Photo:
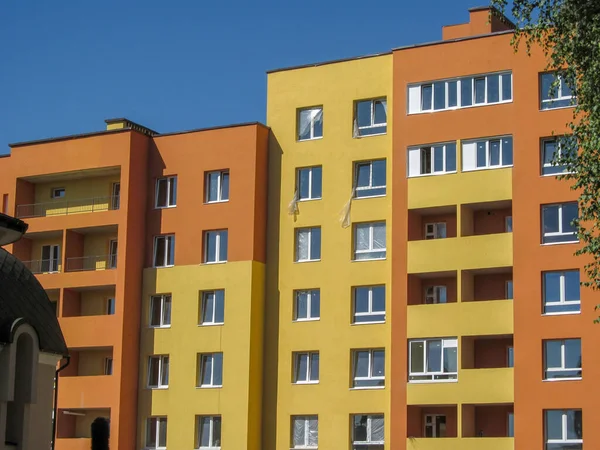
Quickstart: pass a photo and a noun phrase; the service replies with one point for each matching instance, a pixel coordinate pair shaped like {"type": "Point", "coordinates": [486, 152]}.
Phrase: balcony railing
{"type": "Point", "coordinates": [43, 266]}
{"type": "Point", "coordinates": [88, 263]}
{"type": "Point", "coordinates": [65, 207]}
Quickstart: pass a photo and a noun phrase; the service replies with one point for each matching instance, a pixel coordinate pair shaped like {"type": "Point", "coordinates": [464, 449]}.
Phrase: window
{"type": "Point", "coordinates": [308, 244]}
{"type": "Point", "coordinates": [508, 294]}
{"type": "Point", "coordinates": [557, 223]}
{"type": "Point", "coordinates": [217, 186]}
{"type": "Point", "coordinates": [369, 368]}
{"type": "Point", "coordinates": [58, 193]}
{"type": "Point", "coordinates": [563, 429]}
{"type": "Point", "coordinates": [158, 372]}
{"type": "Point", "coordinates": [464, 92]}
{"type": "Point", "coordinates": [108, 366]}
{"type": "Point", "coordinates": [369, 304]}
{"type": "Point", "coordinates": [309, 183]}
{"type": "Point", "coordinates": [164, 251]}
{"type": "Point", "coordinates": [556, 92]}
{"type": "Point", "coordinates": [511, 425]}
{"type": "Point", "coordinates": [371, 117]}
{"type": "Point", "coordinates": [435, 294]}
{"type": "Point", "coordinates": [112, 253]}
{"type": "Point", "coordinates": [370, 178]}
{"type": "Point", "coordinates": [436, 159]}
{"type": "Point", "coordinates": [306, 367]}
{"type": "Point", "coordinates": [305, 432]}
{"type": "Point", "coordinates": [561, 292]}
{"type": "Point", "coordinates": [435, 426]}
{"type": "Point", "coordinates": [487, 153]}
{"type": "Point", "coordinates": [110, 306]}
{"type": "Point", "coordinates": [432, 360]}
{"type": "Point", "coordinates": [435, 230]}
{"type": "Point", "coordinates": [553, 151]}
{"type": "Point", "coordinates": [160, 311]}
{"type": "Point", "coordinates": [211, 370]}
{"type": "Point", "coordinates": [510, 356]}
{"type": "Point", "coordinates": [307, 305]}
{"type": "Point", "coordinates": [50, 258]}
{"type": "Point", "coordinates": [166, 192]}
{"type": "Point", "coordinates": [115, 201]}
{"type": "Point", "coordinates": [156, 433]}
{"type": "Point", "coordinates": [508, 227]}
{"type": "Point", "coordinates": [562, 359]}
{"type": "Point", "coordinates": [208, 432]}
{"type": "Point", "coordinates": [367, 432]}
{"type": "Point", "coordinates": [212, 309]}
{"type": "Point", "coordinates": [215, 244]}
{"type": "Point", "coordinates": [310, 123]}
{"type": "Point", "coordinates": [369, 241]}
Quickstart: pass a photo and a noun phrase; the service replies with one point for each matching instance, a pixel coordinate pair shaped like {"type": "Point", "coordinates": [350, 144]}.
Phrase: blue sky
{"type": "Point", "coordinates": [65, 66]}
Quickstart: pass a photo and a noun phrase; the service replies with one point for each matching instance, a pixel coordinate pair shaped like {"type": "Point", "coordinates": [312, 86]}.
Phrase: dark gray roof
{"type": "Point", "coordinates": [23, 299]}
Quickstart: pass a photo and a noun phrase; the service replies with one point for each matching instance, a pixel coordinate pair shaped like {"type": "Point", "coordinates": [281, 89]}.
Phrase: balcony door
{"type": "Point", "coordinates": [112, 254]}
{"type": "Point", "coordinates": [435, 426]}
{"type": "Point", "coordinates": [50, 258]}
{"type": "Point", "coordinates": [115, 201]}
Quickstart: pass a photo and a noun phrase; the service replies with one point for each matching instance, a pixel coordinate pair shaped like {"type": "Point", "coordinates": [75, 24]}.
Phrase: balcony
{"type": "Point", "coordinates": [73, 443]}
{"type": "Point", "coordinates": [86, 391]}
{"type": "Point", "coordinates": [503, 443]}
{"type": "Point", "coordinates": [73, 427]}
{"type": "Point", "coordinates": [67, 207]}
{"type": "Point", "coordinates": [88, 263]}
{"type": "Point", "coordinates": [89, 331]}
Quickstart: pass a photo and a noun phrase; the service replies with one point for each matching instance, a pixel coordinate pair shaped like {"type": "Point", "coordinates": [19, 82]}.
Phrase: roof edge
{"type": "Point", "coordinates": [449, 41]}
{"type": "Point", "coordinates": [68, 137]}
{"type": "Point", "coordinates": [332, 61]}
{"type": "Point", "coordinates": [218, 127]}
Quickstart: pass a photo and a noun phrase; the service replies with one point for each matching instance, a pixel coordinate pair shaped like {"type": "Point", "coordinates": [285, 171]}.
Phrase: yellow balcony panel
{"type": "Point", "coordinates": [460, 188]}
{"type": "Point", "coordinates": [469, 252]}
{"type": "Point", "coordinates": [461, 319]}
{"type": "Point", "coordinates": [473, 386]}
{"type": "Point", "coordinates": [503, 443]}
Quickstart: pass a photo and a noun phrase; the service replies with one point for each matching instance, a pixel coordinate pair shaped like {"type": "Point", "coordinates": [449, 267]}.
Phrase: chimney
{"type": "Point", "coordinates": [123, 123]}
{"type": "Point", "coordinates": [482, 20]}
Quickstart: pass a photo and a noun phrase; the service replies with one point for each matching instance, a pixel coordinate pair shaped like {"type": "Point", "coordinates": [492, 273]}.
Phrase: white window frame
{"type": "Point", "coordinates": [205, 298]}
{"type": "Point", "coordinates": [211, 431]}
{"type": "Point", "coordinates": [487, 141]}
{"type": "Point", "coordinates": [370, 312]}
{"type": "Point", "coordinates": [169, 243]}
{"type": "Point", "coordinates": [221, 174]}
{"type": "Point", "coordinates": [433, 424]}
{"type": "Point", "coordinates": [382, 100]}
{"type": "Point", "coordinates": [417, 96]}
{"type": "Point", "coordinates": [433, 294]}
{"type": "Point", "coordinates": [370, 187]}
{"type": "Point", "coordinates": [558, 91]}
{"type": "Point", "coordinates": [296, 363]}
{"type": "Point", "coordinates": [158, 420]}
{"type": "Point", "coordinates": [315, 110]}
{"type": "Point", "coordinates": [369, 440]}
{"type": "Point", "coordinates": [59, 192]}
{"type": "Point", "coordinates": [421, 149]}
{"type": "Point", "coordinates": [310, 237]}
{"type": "Point", "coordinates": [219, 234]}
{"type": "Point", "coordinates": [559, 153]}
{"type": "Point", "coordinates": [370, 376]}
{"type": "Point", "coordinates": [161, 365]}
{"type": "Point", "coordinates": [171, 186]}
{"type": "Point", "coordinates": [307, 419]}
{"type": "Point", "coordinates": [309, 295]}
{"type": "Point", "coordinates": [436, 230]}
{"type": "Point", "coordinates": [563, 359]}
{"type": "Point", "coordinates": [202, 357]}
{"type": "Point", "coordinates": [53, 263]}
{"type": "Point", "coordinates": [163, 299]}
{"type": "Point", "coordinates": [560, 226]}
{"type": "Point", "coordinates": [564, 430]}
{"type": "Point", "coordinates": [108, 365]}
{"type": "Point", "coordinates": [446, 343]}
{"type": "Point", "coordinates": [562, 294]}
{"type": "Point", "coordinates": [310, 183]}
{"type": "Point", "coordinates": [110, 306]}
{"type": "Point", "coordinates": [371, 249]}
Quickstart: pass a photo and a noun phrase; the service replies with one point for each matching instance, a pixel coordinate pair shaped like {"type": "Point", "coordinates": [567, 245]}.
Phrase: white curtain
{"type": "Point", "coordinates": [313, 432]}
{"type": "Point", "coordinates": [379, 236]}
{"type": "Point", "coordinates": [302, 244]}
{"type": "Point", "coordinates": [355, 131]}
{"type": "Point", "coordinates": [299, 433]}
{"type": "Point", "coordinates": [293, 205]}
{"type": "Point", "coordinates": [307, 118]}
{"type": "Point", "coordinates": [362, 237]}
{"type": "Point", "coordinates": [377, 429]}
{"type": "Point", "coordinates": [345, 219]}
{"type": "Point", "coordinates": [384, 103]}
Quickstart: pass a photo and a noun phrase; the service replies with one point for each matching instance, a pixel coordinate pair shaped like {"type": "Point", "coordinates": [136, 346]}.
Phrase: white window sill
{"type": "Point", "coordinates": [480, 169]}
{"type": "Point", "coordinates": [302, 261]}
{"type": "Point", "coordinates": [559, 243]}
{"type": "Point", "coordinates": [214, 262]}
{"type": "Point", "coordinates": [369, 196]}
{"type": "Point", "coordinates": [375, 322]}
{"type": "Point", "coordinates": [316, 319]}
{"type": "Point", "coordinates": [454, 380]}
{"type": "Point", "coordinates": [558, 107]}
{"type": "Point", "coordinates": [455, 108]}
{"type": "Point", "coordinates": [158, 327]}
{"type": "Point", "coordinates": [554, 175]}
{"type": "Point", "coordinates": [211, 324]}
{"type": "Point", "coordinates": [305, 383]}
{"type": "Point", "coordinates": [163, 267]}
{"type": "Point", "coordinates": [209, 387]}
{"type": "Point", "coordinates": [309, 139]}
{"type": "Point", "coordinates": [370, 135]}
{"type": "Point", "coordinates": [553, 380]}
{"type": "Point", "coordinates": [302, 200]}
{"type": "Point", "coordinates": [165, 207]}
{"type": "Point", "coordinates": [369, 259]}
{"type": "Point", "coordinates": [562, 313]}
{"type": "Point", "coordinates": [437, 174]}
{"type": "Point", "coordinates": [216, 202]}
{"type": "Point", "coordinates": [366, 388]}
{"type": "Point", "coordinates": [157, 388]}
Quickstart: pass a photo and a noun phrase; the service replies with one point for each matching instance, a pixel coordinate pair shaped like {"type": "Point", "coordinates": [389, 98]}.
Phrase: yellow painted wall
{"type": "Point", "coordinates": [336, 86]}
{"type": "Point", "coordinates": [91, 362]}
{"type": "Point", "coordinates": [83, 423]}
{"type": "Point", "coordinates": [240, 340]}
{"type": "Point", "coordinates": [94, 303]}
{"type": "Point", "coordinates": [98, 245]}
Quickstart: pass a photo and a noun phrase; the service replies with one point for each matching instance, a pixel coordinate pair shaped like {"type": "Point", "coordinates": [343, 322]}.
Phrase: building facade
{"type": "Point", "coordinates": [347, 278]}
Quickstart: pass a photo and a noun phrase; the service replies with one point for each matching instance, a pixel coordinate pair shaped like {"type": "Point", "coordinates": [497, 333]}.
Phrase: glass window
{"type": "Point", "coordinates": [309, 183]}
{"type": "Point", "coordinates": [306, 367]}
{"type": "Point", "coordinates": [511, 425]}
{"type": "Point", "coordinates": [435, 426]}
{"type": "Point", "coordinates": [552, 151]}
{"type": "Point", "coordinates": [494, 152]}
{"type": "Point", "coordinates": [510, 357]}
{"type": "Point", "coordinates": [156, 433]}
{"type": "Point", "coordinates": [164, 251]}
{"type": "Point", "coordinates": [479, 90]}
{"type": "Point", "coordinates": [506, 86]}
{"type": "Point", "coordinates": [466, 92]}
{"type": "Point", "coordinates": [160, 311]}
{"type": "Point", "coordinates": [561, 292]}
{"type": "Point", "coordinates": [210, 373]}
{"type": "Point", "coordinates": [308, 244]}
{"type": "Point", "coordinates": [212, 310]}
{"type": "Point", "coordinates": [509, 290]}
{"type": "Point", "coordinates": [166, 192]}
{"type": "Point", "coordinates": [305, 432]}
{"type": "Point", "coordinates": [369, 241]}
{"type": "Point", "coordinates": [369, 368]}
{"type": "Point", "coordinates": [493, 88]}
{"type": "Point", "coordinates": [555, 91]}
{"type": "Point", "coordinates": [435, 294]}
{"type": "Point", "coordinates": [370, 178]}
{"type": "Point", "coordinates": [508, 224]}
{"type": "Point", "coordinates": [433, 360]}
{"type": "Point", "coordinates": [310, 123]}
{"type": "Point", "coordinates": [562, 359]}
{"type": "Point", "coordinates": [371, 117]}
{"type": "Point", "coordinates": [452, 87]}
{"type": "Point", "coordinates": [439, 95]}
{"type": "Point", "coordinates": [307, 304]}
{"type": "Point", "coordinates": [437, 159]}
{"type": "Point", "coordinates": [158, 372]}
{"type": "Point", "coordinates": [557, 223]}
{"type": "Point", "coordinates": [367, 432]}
{"type": "Point", "coordinates": [435, 230]}
{"type": "Point", "coordinates": [426, 97]}
{"type": "Point", "coordinates": [369, 304]}
{"type": "Point", "coordinates": [208, 432]}
{"type": "Point", "coordinates": [563, 429]}
{"type": "Point", "coordinates": [215, 243]}
{"type": "Point", "coordinates": [58, 193]}
{"type": "Point", "coordinates": [110, 306]}
{"type": "Point", "coordinates": [217, 186]}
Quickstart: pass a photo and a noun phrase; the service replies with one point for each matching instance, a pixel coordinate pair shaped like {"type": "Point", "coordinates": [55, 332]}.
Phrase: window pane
{"type": "Point", "coordinates": [553, 354]}
{"type": "Point", "coordinates": [507, 151]}
{"type": "Point", "coordinates": [573, 353]}
{"type": "Point", "coordinates": [167, 310]}
{"type": "Point", "coordinates": [493, 88]}
{"type": "Point", "coordinates": [318, 123]}
{"type": "Point", "coordinates": [450, 359]}
{"type": "Point", "coordinates": [207, 362]}
{"type": "Point", "coordinates": [380, 112]}
{"type": "Point", "coordinates": [302, 305]}
{"type": "Point", "coordinates": [205, 432]}
{"type": "Point", "coordinates": [378, 298]}
{"type": "Point", "coordinates": [417, 364]}
{"type": "Point", "coordinates": [549, 151]}
{"type": "Point", "coordinates": [438, 159]}
{"type": "Point", "coordinates": [161, 194]}
{"type": "Point", "coordinates": [426, 160]}
{"type": "Point", "coordinates": [363, 111]}
{"type": "Point", "coordinates": [506, 86]}
{"type": "Point", "coordinates": [211, 242]}
{"type": "Point", "coordinates": [208, 307]}
{"type": "Point", "coordinates": [494, 153]}
{"type": "Point", "coordinates": [363, 175]}
{"type": "Point", "coordinates": [213, 186]}
{"type": "Point", "coordinates": [361, 368]}
{"type": "Point", "coordinates": [466, 91]}
{"type": "Point", "coordinates": [547, 80]}
{"type": "Point", "coordinates": [572, 286]}
{"type": "Point", "coordinates": [378, 363]}
{"type": "Point", "coordinates": [317, 174]}
{"type": "Point", "coordinates": [220, 306]}
{"type": "Point", "coordinates": [360, 428]}
{"type": "Point", "coordinates": [303, 181]}
{"type": "Point", "coordinates": [552, 287]}
{"type": "Point", "coordinates": [479, 90]}
{"type": "Point", "coordinates": [434, 356]}
{"type": "Point", "coordinates": [550, 216]}
{"type": "Point", "coordinates": [574, 424]}
{"type": "Point", "coordinates": [223, 245]}
{"type": "Point", "coordinates": [165, 371]}
{"type": "Point", "coordinates": [172, 191]}
{"type": "Point", "coordinates": [315, 304]}
{"type": "Point", "coordinates": [565, 88]}
{"type": "Point", "coordinates": [569, 213]}
{"type": "Point", "coordinates": [301, 366]}
{"type": "Point", "coordinates": [379, 236]}
{"type": "Point", "coordinates": [302, 245]}
{"type": "Point", "coordinates": [451, 157]}
{"type": "Point", "coordinates": [481, 154]}
{"type": "Point", "coordinates": [426, 97]}
{"type": "Point", "coordinates": [151, 433]}
{"type": "Point", "coordinates": [159, 251]}
{"type": "Point", "coordinates": [153, 372]}
{"type": "Point", "coordinates": [170, 240]}
{"type": "Point", "coordinates": [218, 369]}
{"type": "Point", "coordinates": [553, 424]}
{"type": "Point", "coordinates": [315, 243]}
{"type": "Point", "coordinates": [162, 433]}
{"type": "Point", "coordinates": [304, 126]}
{"type": "Point", "coordinates": [314, 367]}
{"type": "Point", "coordinates": [379, 176]}
{"type": "Point", "coordinates": [155, 311]}
{"type": "Point", "coordinates": [452, 94]}
{"type": "Point", "coordinates": [361, 300]}
{"type": "Point", "coordinates": [439, 95]}
{"type": "Point", "coordinates": [225, 186]}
